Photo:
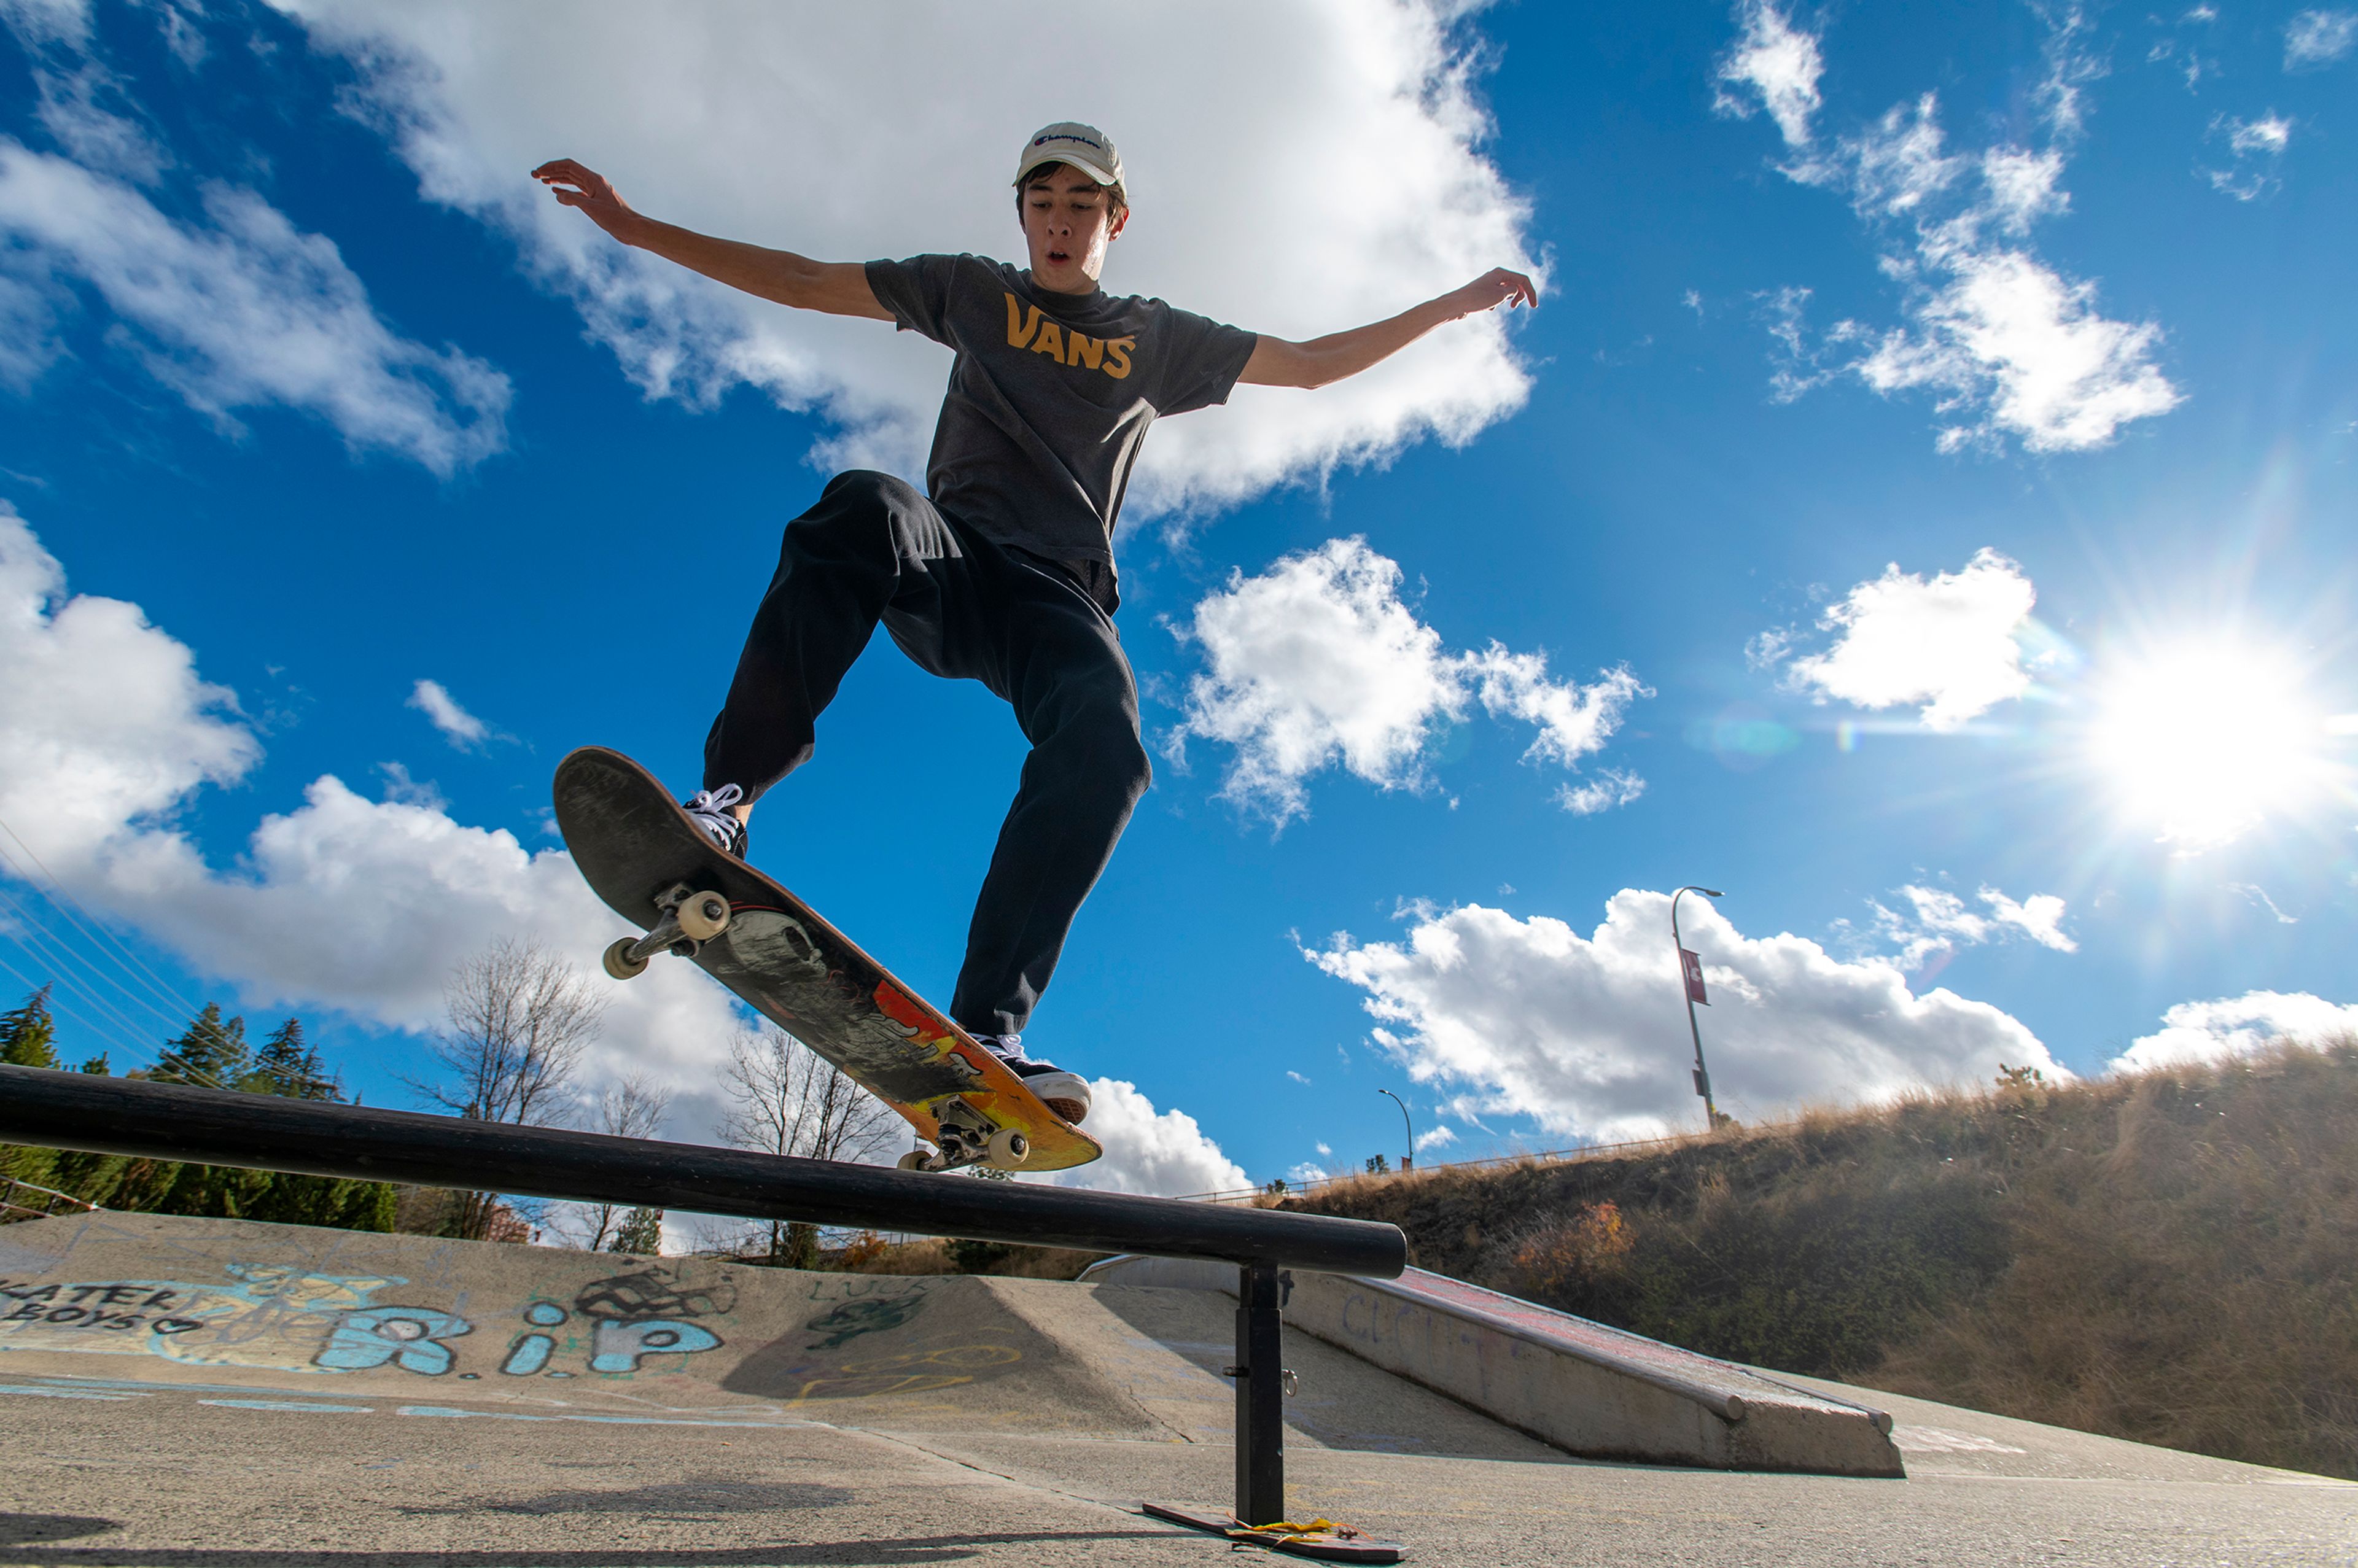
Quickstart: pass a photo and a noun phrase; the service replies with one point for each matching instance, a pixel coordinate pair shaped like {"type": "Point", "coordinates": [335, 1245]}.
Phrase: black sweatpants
{"type": "Point", "coordinates": [873, 548]}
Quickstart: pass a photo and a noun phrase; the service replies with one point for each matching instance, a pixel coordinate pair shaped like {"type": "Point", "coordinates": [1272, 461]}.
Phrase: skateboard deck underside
{"type": "Point", "coordinates": [631, 841]}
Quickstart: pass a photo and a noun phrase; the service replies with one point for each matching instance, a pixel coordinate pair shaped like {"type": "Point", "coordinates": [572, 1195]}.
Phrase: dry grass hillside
{"type": "Point", "coordinates": [2171, 1257]}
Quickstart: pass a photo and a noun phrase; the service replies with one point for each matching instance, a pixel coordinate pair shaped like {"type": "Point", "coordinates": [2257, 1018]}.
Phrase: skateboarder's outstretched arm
{"type": "Point", "coordinates": [1277, 362]}
{"type": "Point", "coordinates": [839, 288]}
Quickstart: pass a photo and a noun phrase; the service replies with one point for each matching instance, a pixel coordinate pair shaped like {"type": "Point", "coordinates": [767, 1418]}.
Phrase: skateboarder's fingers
{"type": "Point", "coordinates": [569, 172]}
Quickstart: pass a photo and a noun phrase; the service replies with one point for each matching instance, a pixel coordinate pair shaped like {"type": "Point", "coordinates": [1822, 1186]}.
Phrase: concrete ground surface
{"type": "Point", "coordinates": [213, 1394]}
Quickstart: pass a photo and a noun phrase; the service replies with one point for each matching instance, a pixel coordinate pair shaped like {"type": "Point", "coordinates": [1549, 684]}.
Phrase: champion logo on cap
{"type": "Point", "coordinates": [1070, 141]}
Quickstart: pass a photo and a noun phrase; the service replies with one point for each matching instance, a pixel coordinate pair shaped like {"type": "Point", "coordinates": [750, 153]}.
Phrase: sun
{"type": "Point", "coordinates": [2203, 741]}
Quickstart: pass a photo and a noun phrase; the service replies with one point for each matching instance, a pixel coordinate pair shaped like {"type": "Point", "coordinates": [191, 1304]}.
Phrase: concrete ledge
{"type": "Point", "coordinates": [1586, 1389]}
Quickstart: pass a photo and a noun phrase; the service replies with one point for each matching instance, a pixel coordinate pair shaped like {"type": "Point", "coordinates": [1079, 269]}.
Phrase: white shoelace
{"type": "Point", "coordinates": [714, 802]}
{"type": "Point", "coordinates": [708, 809]}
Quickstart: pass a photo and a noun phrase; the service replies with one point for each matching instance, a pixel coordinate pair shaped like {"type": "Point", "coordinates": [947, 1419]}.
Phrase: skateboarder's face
{"type": "Point", "coordinates": [1069, 220]}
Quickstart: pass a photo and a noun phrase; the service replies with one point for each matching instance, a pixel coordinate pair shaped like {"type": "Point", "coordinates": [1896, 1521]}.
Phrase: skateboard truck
{"type": "Point", "coordinates": [956, 1144]}
{"type": "Point", "coordinates": [688, 919]}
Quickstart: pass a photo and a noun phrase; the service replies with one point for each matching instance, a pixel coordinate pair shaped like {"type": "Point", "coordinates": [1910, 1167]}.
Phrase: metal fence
{"type": "Point", "coordinates": [30, 1200]}
{"type": "Point", "coordinates": [1292, 1189]}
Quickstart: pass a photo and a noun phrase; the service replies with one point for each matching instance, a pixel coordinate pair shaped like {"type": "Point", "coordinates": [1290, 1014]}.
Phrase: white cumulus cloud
{"type": "Point", "coordinates": [2000, 329]}
{"type": "Point", "coordinates": [458, 727]}
{"type": "Point", "coordinates": [2013, 345]}
{"type": "Point", "coordinates": [1950, 642]}
{"type": "Point", "coordinates": [2227, 1027]}
{"type": "Point", "coordinates": [1937, 922]}
{"type": "Point", "coordinates": [105, 724]}
{"type": "Point", "coordinates": [1609, 788]}
{"type": "Point", "coordinates": [40, 22]}
{"type": "Point", "coordinates": [2271, 134]}
{"type": "Point", "coordinates": [1317, 662]}
{"type": "Point", "coordinates": [1163, 1153]}
{"type": "Point", "coordinates": [1586, 1035]}
{"type": "Point", "coordinates": [1377, 96]}
{"type": "Point", "coordinates": [240, 311]}
{"type": "Point", "coordinates": [2319, 38]}
{"type": "Point", "coordinates": [2254, 149]}
{"type": "Point", "coordinates": [1776, 63]}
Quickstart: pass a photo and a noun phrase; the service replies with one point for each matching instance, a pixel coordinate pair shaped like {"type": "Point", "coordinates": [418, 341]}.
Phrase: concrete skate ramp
{"type": "Point", "coordinates": [106, 1299]}
{"type": "Point", "coordinates": [1589, 1389]}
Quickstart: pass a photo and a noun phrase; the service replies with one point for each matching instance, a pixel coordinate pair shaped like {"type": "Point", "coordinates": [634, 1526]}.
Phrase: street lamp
{"type": "Point", "coordinates": [1691, 981]}
{"type": "Point", "coordinates": [1410, 1158]}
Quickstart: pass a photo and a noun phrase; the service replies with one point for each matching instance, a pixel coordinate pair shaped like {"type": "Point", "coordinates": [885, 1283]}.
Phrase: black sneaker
{"type": "Point", "coordinates": [710, 809]}
{"type": "Point", "coordinates": [1066, 1094]}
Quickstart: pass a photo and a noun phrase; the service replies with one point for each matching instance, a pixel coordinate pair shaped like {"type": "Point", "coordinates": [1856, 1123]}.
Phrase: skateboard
{"type": "Point", "coordinates": [651, 863]}
{"type": "Point", "coordinates": [1319, 1538]}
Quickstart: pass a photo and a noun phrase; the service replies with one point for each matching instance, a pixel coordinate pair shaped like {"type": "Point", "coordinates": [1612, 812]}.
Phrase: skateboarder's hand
{"type": "Point", "coordinates": [576, 185]}
{"type": "Point", "coordinates": [1494, 287]}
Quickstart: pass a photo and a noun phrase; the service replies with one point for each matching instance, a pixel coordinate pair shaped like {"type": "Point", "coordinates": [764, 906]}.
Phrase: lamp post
{"type": "Point", "coordinates": [1408, 1158]}
{"type": "Point", "coordinates": [1691, 982]}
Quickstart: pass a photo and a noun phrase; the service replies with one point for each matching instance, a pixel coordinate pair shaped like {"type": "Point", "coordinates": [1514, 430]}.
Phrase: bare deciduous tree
{"type": "Point", "coordinates": [519, 1018]}
{"type": "Point", "coordinates": [790, 1100]}
{"type": "Point", "coordinates": [634, 1108]}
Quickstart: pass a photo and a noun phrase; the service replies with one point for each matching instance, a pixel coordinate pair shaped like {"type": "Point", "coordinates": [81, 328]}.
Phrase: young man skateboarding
{"type": "Point", "coordinates": [1001, 570]}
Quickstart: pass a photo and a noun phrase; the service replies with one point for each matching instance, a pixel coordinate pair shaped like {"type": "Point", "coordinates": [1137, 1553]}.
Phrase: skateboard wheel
{"type": "Point", "coordinates": [619, 962]}
{"type": "Point", "coordinates": [704, 916]}
{"type": "Point", "coordinates": [1006, 1150]}
{"type": "Point", "coordinates": [915, 1159]}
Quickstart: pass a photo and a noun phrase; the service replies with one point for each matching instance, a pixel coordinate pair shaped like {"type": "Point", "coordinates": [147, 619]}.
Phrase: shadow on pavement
{"type": "Point", "coordinates": [914, 1550]}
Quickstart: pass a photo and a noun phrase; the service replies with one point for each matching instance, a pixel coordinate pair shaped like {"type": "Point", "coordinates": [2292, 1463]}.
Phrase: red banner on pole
{"type": "Point", "coordinates": [1691, 964]}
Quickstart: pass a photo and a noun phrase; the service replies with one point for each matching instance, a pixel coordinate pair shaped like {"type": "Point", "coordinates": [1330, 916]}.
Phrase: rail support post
{"type": "Point", "coordinates": [1260, 1395]}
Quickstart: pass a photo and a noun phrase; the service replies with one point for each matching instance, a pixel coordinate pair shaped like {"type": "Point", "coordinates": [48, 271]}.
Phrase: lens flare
{"type": "Point", "coordinates": [2206, 741]}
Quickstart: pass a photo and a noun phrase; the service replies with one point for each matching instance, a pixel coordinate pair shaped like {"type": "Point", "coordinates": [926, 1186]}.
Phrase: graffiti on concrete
{"type": "Point", "coordinates": [653, 1293]}
{"type": "Point", "coordinates": [410, 1337]}
{"type": "Point", "coordinates": [912, 1358]}
{"type": "Point", "coordinates": [285, 1319]}
{"type": "Point", "coordinates": [849, 1320]}
{"type": "Point", "coordinates": [616, 1347]}
{"type": "Point", "coordinates": [115, 1307]}
{"type": "Point", "coordinates": [268, 1316]}
{"type": "Point", "coordinates": [528, 1355]}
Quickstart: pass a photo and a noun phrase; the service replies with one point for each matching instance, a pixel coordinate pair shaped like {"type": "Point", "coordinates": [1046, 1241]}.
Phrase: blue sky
{"type": "Point", "coordinates": [1921, 508]}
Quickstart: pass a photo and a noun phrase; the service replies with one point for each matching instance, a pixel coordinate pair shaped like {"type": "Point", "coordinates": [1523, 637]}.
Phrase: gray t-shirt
{"type": "Point", "coordinates": [1049, 395]}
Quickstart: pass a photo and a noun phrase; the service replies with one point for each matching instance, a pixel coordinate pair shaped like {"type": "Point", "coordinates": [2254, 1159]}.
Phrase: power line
{"type": "Point", "coordinates": [60, 957]}
{"type": "Point", "coordinates": [39, 944]}
{"type": "Point", "coordinates": [56, 957]}
{"type": "Point", "coordinates": [64, 901]}
{"type": "Point", "coordinates": [60, 1006]}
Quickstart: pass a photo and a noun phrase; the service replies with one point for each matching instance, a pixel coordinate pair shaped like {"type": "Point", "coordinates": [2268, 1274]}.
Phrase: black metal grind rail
{"type": "Point", "coordinates": [213, 1127]}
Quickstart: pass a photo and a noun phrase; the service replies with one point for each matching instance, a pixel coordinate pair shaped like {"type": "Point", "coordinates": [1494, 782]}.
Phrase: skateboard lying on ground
{"type": "Point", "coordinates": [651, 863]}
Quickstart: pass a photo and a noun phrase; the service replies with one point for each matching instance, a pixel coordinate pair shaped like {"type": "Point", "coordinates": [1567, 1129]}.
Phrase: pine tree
{"type": "Point", "coordinates": [290, 1066]}
{"type": "Point", "coordinates": [211, 1053]}
{"type": "Point", "coordinates": [27, 1033]}
{"type": "Point", "coordinates": [640, 1232]}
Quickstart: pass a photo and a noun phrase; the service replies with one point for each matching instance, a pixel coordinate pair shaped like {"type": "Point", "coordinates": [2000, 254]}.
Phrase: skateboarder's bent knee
{"type": "Point", "coordinates": [861, 513]}
{"type": "Point", "coordinates": [1113, 757]}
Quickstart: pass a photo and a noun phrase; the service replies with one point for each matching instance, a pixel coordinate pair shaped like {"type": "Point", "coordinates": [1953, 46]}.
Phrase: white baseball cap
{"type": "Point", "coordinates": [1086, 147]}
